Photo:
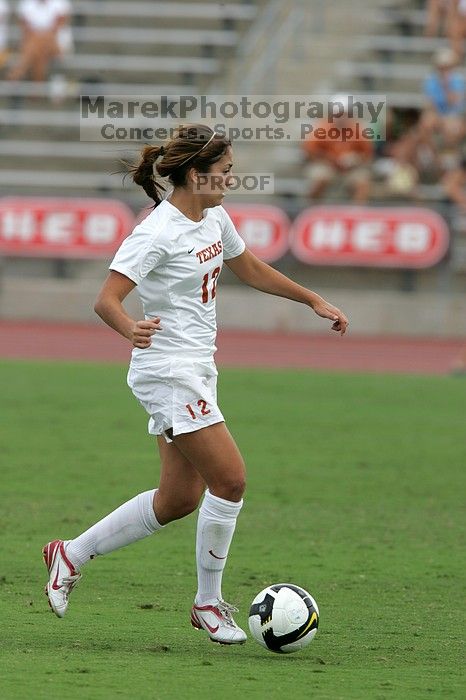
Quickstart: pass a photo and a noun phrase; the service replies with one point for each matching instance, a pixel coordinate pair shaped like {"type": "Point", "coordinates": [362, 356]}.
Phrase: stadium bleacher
{"type": "Point", "coordinates": [389, 56]}
{"type": "Point", "coordinates": [202, 11]}
{"type": "Point", "coordinates": [145, 48]}
{"type": "Point", "coordinates": [139, 48]}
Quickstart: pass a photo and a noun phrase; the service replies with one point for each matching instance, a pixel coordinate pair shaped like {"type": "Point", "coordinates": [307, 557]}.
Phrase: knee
{"type": "Point", "coordinates": [230, 489]}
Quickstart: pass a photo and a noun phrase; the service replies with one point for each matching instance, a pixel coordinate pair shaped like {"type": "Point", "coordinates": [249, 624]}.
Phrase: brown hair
{"type": "Point", "coordinates": [193, 146]}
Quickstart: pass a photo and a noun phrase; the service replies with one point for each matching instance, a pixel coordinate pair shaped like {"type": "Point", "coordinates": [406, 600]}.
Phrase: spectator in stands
{"type": "Point", "coordinates": [420, 147]}
{"type": "Point", "coordinates": [398, 176]}
{"type": "Point", "coordinates": [45, 31]}
{"type": "Point", "coordinates": [394, 173]}
{"type": "Point", "coordinates": [445, 87]}
{"type": "Point", "coordinates": [446, 95]}
{"type": "Point", "coordinates": [4, 10]}
{"type": "Point", "coordinates": [439, 14]}
{"type": "Point", "coordinates": [447, 18]}
{"type": "Point", "coordinates": [454, 184]}
{"type": "Point", "coordinates": [457, 26]}
{"type": "Point", "coordinates": [348, 162]}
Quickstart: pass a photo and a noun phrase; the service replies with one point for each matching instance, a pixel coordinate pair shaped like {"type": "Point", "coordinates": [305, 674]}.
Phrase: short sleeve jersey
{"type": "Point", "coordinates": [175, 263]}
{"type": "Point", "coordinates": [41, 16]}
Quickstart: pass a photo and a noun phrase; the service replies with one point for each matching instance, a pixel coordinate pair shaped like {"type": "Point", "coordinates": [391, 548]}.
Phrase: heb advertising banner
{"type": "Point", "coordinates": [62, 227]}
{"type": "Point", "coordinates": [407, 237]}
{"type": "Point", "coordinates": [264, 229]}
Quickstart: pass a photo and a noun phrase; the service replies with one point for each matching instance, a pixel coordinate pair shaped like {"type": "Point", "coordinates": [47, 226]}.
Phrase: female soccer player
{"type": "Point", "coordinates": [175, 257]}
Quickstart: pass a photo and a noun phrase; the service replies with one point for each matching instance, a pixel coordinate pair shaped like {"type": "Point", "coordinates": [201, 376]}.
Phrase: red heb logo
{"type": "Point", "coordinates": [80, 228]}
{"type": "Point", "coordinates": [264, 229]}
{"type": "Point", "coordinates": [385, 237]}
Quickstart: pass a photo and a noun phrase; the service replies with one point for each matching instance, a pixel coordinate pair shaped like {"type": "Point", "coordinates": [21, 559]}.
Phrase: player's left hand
{"type": "Point", "coordinates": [326, 310]}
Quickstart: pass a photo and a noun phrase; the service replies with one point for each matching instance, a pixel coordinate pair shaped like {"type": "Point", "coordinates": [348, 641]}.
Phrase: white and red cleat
{"type": "Point", "coordinates": [218, 622]}
{"type": "Point", "coordinates": [63, 577]}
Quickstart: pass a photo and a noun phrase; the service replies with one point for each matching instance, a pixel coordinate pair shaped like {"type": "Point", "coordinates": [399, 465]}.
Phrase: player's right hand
{"type": "Point", "coordinates": [142, 332]}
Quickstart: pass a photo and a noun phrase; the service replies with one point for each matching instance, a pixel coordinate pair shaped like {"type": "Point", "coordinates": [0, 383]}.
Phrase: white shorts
{"type": "Point", "coordinates": [178, 394]}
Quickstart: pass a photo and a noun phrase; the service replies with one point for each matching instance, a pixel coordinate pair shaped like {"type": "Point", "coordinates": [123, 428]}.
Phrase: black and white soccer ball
{"type": "Point", "coordinates": [283, 618]}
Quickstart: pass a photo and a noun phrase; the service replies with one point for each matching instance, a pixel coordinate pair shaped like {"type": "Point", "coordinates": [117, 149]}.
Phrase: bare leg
{"type": "Point", "coordinates": [361, 191]}
{"type": "Point", "coordinates": [217, 459]}
{"type": "Point", "coordinates": [181, 486]}
{"type": "Point", "coordinates": [319, 188]}
{"type": "Point", "coordinates": [26, 59]}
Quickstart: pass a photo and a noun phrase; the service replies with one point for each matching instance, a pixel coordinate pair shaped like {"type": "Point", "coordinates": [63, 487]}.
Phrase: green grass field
{"type": "Point", "coordinates": [355, 491]}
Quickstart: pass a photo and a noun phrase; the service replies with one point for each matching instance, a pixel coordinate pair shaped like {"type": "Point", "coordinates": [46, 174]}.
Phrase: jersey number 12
{"type": "Point", "coordinates": [205, 282]}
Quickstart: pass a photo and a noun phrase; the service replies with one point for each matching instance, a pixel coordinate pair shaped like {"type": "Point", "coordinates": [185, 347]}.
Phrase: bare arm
{"type": "Point", "coordinates": [255, 273]}
{"type": "Point", "coordinates": [60, 22]}
{"type": "Point", "coordinates": [453, 185]}
{"type": "Point", "coordinates": [109, 307]}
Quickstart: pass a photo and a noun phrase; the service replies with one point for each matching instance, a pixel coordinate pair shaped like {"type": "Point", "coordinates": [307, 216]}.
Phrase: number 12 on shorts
{"type": "Point", "coordinates": [202, 405]}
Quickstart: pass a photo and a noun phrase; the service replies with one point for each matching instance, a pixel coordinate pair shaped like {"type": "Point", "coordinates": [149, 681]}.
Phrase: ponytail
{"type": "Point", "coordinates": [143, 173]}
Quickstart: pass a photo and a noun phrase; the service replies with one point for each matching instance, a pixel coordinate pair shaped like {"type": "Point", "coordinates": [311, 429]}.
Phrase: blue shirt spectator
{"type": "Point", "coordinates": [445, 87]}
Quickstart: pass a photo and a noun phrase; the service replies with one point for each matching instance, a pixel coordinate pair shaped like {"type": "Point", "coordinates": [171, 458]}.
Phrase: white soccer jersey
{"type": "Point", "coordinates": [176, 263]}
{"type": "Point", "coordinates": [41, 16]}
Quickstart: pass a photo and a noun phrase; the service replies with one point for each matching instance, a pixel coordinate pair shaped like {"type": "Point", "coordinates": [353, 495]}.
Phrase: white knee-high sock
{"type": "Point", "coordinates": [130, 522]}
{"type": "Point", "coordinates": [215, 528]}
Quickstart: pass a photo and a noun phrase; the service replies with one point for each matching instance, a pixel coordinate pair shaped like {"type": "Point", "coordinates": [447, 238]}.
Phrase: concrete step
{"type": "Point", "coordinates": [147, 9]}
{"type": "Point", "coordinates": [135, 35]}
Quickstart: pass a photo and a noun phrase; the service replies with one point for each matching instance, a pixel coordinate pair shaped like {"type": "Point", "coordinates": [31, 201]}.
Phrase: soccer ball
{"type": "Point", "coordinates": [283, 618]}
